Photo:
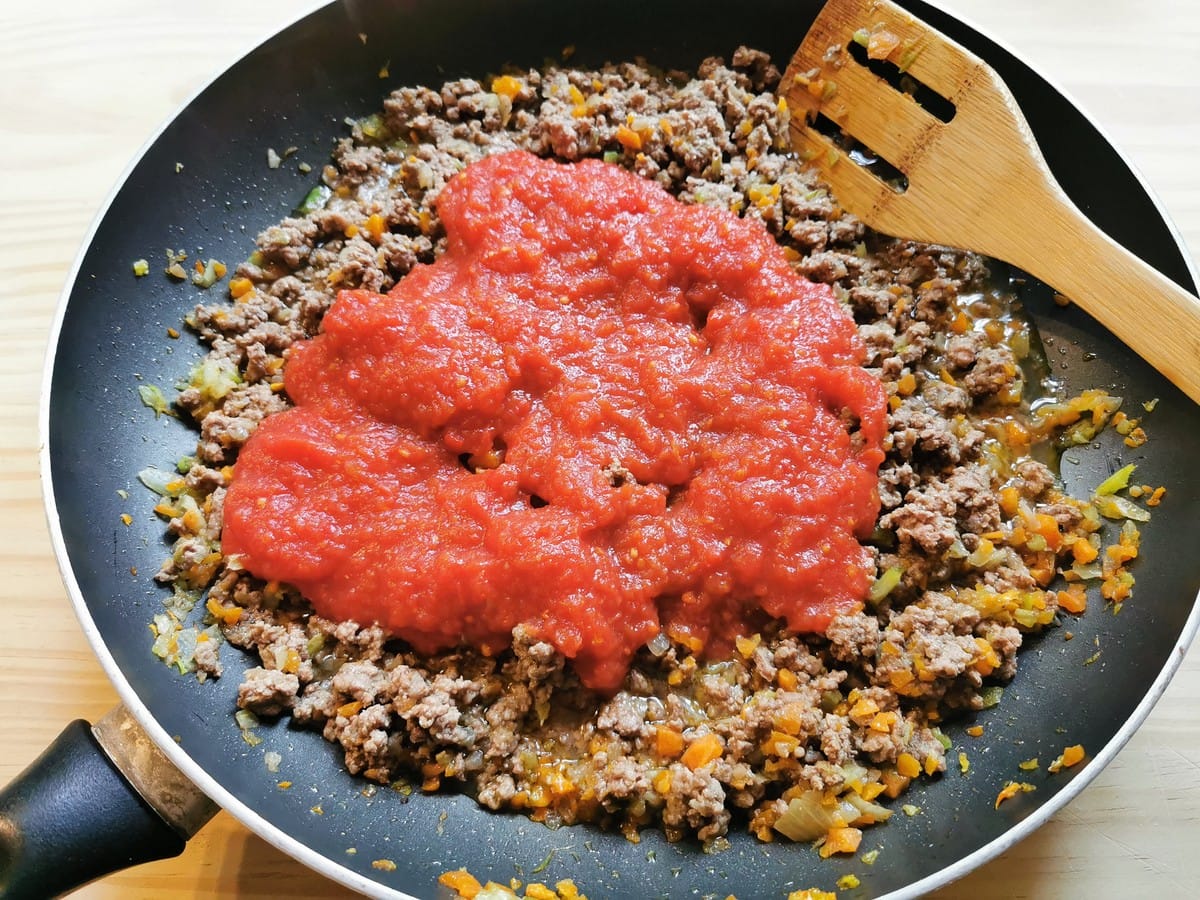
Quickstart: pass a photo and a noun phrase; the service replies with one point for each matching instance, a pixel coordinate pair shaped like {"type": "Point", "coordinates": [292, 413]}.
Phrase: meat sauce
{"type": "Point", "coordinates": [601, 413]}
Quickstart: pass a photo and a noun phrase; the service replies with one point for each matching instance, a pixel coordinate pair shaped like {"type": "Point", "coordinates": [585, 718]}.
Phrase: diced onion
{"type": "Point", "coordinates": [808, 817]}
{"type": "Point", "coordinates": [659, 644]}
{"type": "Point", "coordinates": [869, 813]}
{"type": "Point", "coordinates": [884, 584]}
{"type": "Point", "coordinates": [1118, 480]}
{"type": "Point", "coordinates": [1113, 507]}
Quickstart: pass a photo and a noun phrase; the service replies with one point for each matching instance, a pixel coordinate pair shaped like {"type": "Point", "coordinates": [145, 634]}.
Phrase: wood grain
{"type": "Point", "coordinates": [84, 85]}
{"type": "Point", "coordinates": [956, 169]}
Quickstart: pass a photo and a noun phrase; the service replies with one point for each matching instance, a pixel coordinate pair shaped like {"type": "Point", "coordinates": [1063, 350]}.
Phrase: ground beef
{"type": "Point", "coordinates": [267, 692]}
{"type": "Point", "coordinates": [782, 712]}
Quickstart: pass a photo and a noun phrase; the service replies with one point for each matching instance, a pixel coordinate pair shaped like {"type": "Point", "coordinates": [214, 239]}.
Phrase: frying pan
{"type": "Point", "coordinates": [97, 435]}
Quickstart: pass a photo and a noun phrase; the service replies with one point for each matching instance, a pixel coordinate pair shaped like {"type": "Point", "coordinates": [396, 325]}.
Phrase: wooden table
{"type": "Point", "coordinates": [83, 84]}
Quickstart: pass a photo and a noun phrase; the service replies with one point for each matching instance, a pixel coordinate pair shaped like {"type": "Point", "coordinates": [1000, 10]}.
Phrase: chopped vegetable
{"type": "Point", "coordinates": [152, 396]}
{"type": "Point", "coordinates": [840, 840]}
{"type": "Point", "coordinates": [703, 750]}
{"type": "Point", "coordinates": [1072, 756]}
{"type": "Point", "coordinates": [668, 742]}
{"type": "Point", "coordinates": [141, 267]}
{"type": "Point", "coordinates": [811, 815]}
{"type": "Point", "coordinates": [990, 696]}
{"type": "Point", "coordinates": [214, 380]}
{"type": "Point", "coordinates": [1011, 789]}
{"type": "Point", "coordinates": [313, 200]}
{"type": "Point", "coordinates": [247, 722]}
{"type": "Point", "coordinates": [1113, 507]}
{"type": "Point", "coordinates": [210, 273]}
{"type": "Point", "coordinates": [507, 86]}
{"type": "Point", "coordinates": [884, 584]}
{"type": "Point", "coordinates": [881, 43]}
{"type": "Point", "coordinates": [1117, 481]}
{"type": "Point", "coordinates": [1073, 599]}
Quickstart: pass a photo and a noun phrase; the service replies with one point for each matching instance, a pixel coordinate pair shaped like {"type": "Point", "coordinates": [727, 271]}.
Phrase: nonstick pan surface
{"type": "Point", "coordinates": [295, 91]}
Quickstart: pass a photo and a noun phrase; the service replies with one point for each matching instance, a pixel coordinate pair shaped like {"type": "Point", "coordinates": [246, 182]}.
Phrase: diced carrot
{"type": "Point", "coordinates": [461, 882]}
{"type": "Point", "coordinates": [908, 765]}
{"type": "Point", "coordinates": [786, 679]}
{"type": "Point", "coordinates": [1010, 500]}
{"type": "Point", "coordinates": [881, 43]}
{"type": "Point", "coordinates": [352, 708]}
{"type": "Point", "coordinates": [747, 645]}
{"type": "Point", "coordinates": [780, 744]}
{"type": "Point", "coordinates": [702, 751]}
{"type": "Point", "coordinates": [883, 722]}
{"type": "Point", "coordinates": [790, 719]}
{"type": "Point", "coordinates": [894, 784]}
{"type": "Point", "coordinates": [1072, 756]}
{"type": "Point", "coordinates": [988, 660]}
{"type": "Point", "coordinates": [840, 840]}
{"type": "Point", "coordinates": [662, 782]}
{"type": "Point", "coordinates": [375, 226]}
{"type": "Point", "coordinates": [1016, 433]}
{"type": "Point", "coordinates": [668, 742]}
{"type": "Point", "coordinates": [1047, 527]}
{"type": "Point", "coordinates": [229, 615]}
{"type": "Point", "coordinates": [1073, 599]}
{"type": "Point", "coordinates": [864, 708]}
{"type": "Point", "coordinates": [1007, 793]}
{"type": "Point", "coordinates": [506, 85]}
{"type": "Point", "coordinates": [628, 138]}
{"type": "Point", "coordinates": [1083, 551]}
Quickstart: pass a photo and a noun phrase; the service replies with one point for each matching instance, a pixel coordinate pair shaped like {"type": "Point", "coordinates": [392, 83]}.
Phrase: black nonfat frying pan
{"type": "Point", "coordinates": [295, 90]}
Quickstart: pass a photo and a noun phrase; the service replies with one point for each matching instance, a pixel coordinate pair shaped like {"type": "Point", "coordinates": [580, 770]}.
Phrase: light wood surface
{"type": "Point", "coordinates": [83, 84]}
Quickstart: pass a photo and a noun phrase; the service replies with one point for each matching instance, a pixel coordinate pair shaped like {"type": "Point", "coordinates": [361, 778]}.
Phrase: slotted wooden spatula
{"type": "Point", "coordinates": [975, 177]}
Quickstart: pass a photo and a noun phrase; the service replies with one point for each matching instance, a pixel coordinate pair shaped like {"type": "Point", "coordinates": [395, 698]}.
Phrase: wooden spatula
{"type": "Point", "coordinates": [975, 177]}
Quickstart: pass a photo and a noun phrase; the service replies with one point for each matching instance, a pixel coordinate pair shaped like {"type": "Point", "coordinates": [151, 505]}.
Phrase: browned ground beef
{"type": "Point", "coordinates": [793, 713]}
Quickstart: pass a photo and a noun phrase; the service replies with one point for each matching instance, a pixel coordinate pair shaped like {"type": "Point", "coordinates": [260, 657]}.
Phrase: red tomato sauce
{"type": "Point", "coordinates": [601, 413]}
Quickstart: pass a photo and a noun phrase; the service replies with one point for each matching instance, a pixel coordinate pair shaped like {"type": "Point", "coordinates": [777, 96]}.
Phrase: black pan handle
{"type": "Point", "coordinates": [75, 814]}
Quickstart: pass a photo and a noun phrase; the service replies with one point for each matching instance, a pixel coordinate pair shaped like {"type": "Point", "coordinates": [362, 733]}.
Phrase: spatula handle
{"type": "Point", "coordinates": [1157, 318]}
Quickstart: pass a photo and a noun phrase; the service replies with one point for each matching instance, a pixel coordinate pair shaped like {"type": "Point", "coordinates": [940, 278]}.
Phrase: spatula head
{"type": "Point", "coordinates": [914, 133]}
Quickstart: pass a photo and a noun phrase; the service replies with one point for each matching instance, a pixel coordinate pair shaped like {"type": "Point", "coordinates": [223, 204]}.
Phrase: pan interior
{"type": "Point", "coordinates": [296, 90]}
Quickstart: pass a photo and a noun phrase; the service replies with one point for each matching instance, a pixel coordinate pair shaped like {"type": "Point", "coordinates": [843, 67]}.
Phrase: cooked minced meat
{"type": "Point", "coordinates": [691, 745]}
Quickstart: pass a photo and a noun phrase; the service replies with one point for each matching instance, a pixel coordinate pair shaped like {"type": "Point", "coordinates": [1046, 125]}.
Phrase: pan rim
{"type": "Point", "coordinates": [339, 873]}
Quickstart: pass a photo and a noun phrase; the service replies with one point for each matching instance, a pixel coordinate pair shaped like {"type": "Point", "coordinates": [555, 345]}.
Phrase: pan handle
{"type": "Point", "coordinates": [96, 801]}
